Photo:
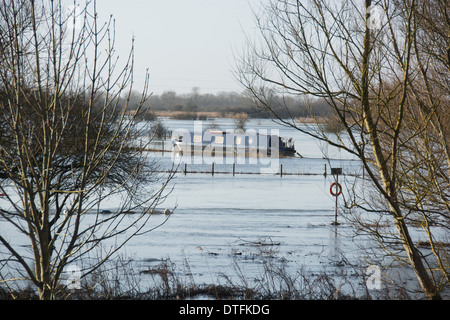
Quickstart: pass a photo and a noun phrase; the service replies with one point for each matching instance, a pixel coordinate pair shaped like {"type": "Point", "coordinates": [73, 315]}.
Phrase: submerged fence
{"type": "Point", "coordinates": [223, 165]}
{"type": "Point", "coordinates": [282, 171]}
{"type": "Point", "coordinates": [214, 170]}
{"type": "Point", "coordinates": [282, 167]}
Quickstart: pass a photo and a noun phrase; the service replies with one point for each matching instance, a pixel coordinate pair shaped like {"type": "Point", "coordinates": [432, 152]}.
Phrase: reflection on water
{"type": "Point", "coordinates": [246, 218]}
{"type": "Point", "coordinates": [220, 216]}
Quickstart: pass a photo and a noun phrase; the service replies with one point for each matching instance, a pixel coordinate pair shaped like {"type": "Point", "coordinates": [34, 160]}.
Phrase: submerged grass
{"type": "Point", "coordinates": [121, 282]}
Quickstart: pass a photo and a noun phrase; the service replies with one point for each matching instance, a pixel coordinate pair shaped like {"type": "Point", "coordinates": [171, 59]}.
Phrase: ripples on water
{"type": "Point", "coordinates": [223, 219]}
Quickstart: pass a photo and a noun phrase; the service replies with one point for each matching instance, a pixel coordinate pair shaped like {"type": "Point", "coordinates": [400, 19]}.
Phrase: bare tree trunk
{"type": "Point", "coordinates": [389, 181]}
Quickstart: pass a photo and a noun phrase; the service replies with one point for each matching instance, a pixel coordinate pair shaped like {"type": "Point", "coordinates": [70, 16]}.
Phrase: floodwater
{"type": "Point", "coordinates": [252, 217]}
{"type": "Point", "coordinates": [222, 221]}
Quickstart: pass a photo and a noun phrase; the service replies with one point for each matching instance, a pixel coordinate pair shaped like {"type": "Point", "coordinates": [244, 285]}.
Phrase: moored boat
{"type": "Point", "coordinates": [250, 143]}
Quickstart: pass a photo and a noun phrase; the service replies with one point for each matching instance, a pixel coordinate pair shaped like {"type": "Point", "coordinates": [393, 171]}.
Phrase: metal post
{"type": "Point", "coordinates": [281, 172]}
{"type": "Point", "coordinates": [336, 171]}
{"type": "Point", "coordinates": [336, 204]}
{"type": "Point", "coordinates": [212, 169]}
{"type": "Point", "coordinates": [234, 168]}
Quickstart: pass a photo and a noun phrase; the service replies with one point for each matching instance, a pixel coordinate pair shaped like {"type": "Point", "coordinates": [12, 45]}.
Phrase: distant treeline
{"type": "Point", "coordinates": [225, 104]}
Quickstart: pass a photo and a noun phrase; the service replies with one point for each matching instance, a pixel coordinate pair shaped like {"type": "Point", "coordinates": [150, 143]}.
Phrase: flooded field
{"type": "Point", "coordinates": [222, 221]}
{"type": "Point", "coordinates": [234, 225]}
{"type": "Point", "coordinates": [249, 220]}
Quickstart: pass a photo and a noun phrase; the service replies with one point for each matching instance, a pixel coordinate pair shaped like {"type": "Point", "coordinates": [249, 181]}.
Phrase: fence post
{"type": "Point", "coordinates": [185, 168]}
{"type": "Point", "coordinates": [281, 171]}
{"type": "Point", "coordinates": [212, 168]}
{"type": "Point", "coordinates": [234, 168]}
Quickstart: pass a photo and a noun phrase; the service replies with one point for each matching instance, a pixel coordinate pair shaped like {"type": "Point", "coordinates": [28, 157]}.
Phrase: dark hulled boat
{"type": "Point", "coordinates": [230, 142]}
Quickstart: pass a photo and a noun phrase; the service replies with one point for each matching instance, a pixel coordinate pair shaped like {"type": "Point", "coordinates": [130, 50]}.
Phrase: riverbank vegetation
{"type": "Point", "coordinates": [167, 281]}
{"type": "Point", "coordinates": [198, 106]}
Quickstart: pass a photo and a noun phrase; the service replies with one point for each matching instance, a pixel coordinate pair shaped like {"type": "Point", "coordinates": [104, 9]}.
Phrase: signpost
{"type": "Point", "coordinates": [336, 190]}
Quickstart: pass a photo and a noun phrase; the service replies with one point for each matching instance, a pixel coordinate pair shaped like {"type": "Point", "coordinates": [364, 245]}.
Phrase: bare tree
{"type": "Point", "coordinates": [388, 88]}
{"type": "Point", "coordinates": [240, 121]}
{"type": "Point", "coordinates": [67, 143]}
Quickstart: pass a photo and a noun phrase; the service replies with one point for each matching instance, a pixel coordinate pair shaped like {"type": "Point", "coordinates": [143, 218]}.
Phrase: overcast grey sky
{"type": "Point", "coordinates": [183, 43]}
